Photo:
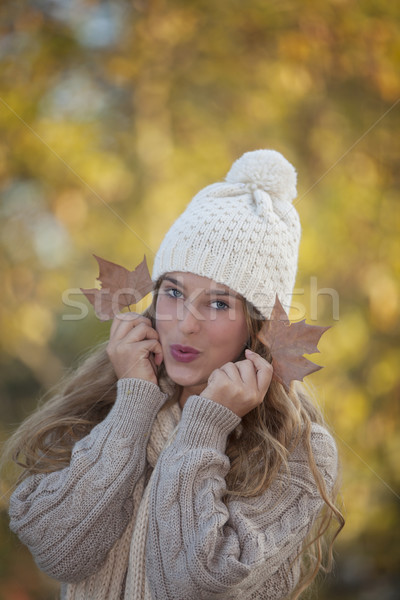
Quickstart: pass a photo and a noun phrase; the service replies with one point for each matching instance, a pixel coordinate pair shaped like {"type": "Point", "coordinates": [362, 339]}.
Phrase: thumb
{"type": "Point", "coordinates": [264, 369]}
{"type": "Point", "coordinates": [212, 375]}
{"type": "Point", "coordinates": [154, 350]}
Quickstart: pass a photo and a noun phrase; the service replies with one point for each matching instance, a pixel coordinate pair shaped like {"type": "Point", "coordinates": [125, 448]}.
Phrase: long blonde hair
{"type": "Point", "coordinates": [43, 443]}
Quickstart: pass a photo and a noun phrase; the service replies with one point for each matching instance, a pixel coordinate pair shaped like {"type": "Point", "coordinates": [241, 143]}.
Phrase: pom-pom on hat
{"type": "Point", "coordinates": [243, 232]}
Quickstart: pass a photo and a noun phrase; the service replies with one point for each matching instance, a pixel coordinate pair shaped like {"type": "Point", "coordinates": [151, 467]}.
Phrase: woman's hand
{"type": "Point", "coordinates": [131, 347]}
{"type": "Point", "coordinates": [240, 386]}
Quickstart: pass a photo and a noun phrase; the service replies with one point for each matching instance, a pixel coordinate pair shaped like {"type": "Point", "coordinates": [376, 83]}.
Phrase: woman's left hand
{"type": "Point", "coordinates": [240, 386]}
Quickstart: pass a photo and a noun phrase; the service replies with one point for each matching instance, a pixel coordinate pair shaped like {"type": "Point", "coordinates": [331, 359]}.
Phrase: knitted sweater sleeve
{"type": "Point", "coordinates": [70, 519]}
{"type": "Point", "coordinates": [200, 549]}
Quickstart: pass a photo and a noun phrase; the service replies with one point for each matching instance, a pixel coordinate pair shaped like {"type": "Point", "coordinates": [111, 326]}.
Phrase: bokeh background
{"type": "Point", "coordinates": [113, 114]}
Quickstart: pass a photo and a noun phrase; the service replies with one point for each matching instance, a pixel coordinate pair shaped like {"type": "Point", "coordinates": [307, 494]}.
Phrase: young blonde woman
{"type": "Point", "coordinates": [171, 466]}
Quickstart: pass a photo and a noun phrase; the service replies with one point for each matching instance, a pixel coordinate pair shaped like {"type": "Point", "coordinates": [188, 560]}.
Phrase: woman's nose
{"type": "Point", "coordinates": [189, 320]}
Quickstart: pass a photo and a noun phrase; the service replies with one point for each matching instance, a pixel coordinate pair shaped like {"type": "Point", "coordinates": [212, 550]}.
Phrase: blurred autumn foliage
{"type": "Point", "coordinates": [113, 114]}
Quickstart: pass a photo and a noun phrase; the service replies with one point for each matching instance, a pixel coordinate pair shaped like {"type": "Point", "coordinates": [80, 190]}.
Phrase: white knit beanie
{"type": "Point", "coordinates": [243, 233]}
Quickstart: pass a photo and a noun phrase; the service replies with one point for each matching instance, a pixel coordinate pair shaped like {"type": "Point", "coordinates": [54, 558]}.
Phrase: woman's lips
{"type": "Point", "coordinates": [183, 353]}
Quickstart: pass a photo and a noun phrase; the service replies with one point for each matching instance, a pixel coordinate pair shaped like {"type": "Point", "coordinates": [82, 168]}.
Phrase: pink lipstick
{"type": "Point", "coordinates": [183, 353]}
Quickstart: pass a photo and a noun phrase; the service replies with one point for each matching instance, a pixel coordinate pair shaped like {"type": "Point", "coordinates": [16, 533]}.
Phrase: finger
{"type": "Point", "coordinates": [122, 324]}
{"type": "Point", "coordinates": [156, 352]}
{"type": "Point", "coordinates": [148, 347]}
{"type": "Point", "coordinates": [158, 357]}
{"type": "Point", "coordinates": [247, 372]}
{"type": "Point", "coordinates": [140, 332]}
{"type": "Point", "coordinates": [263, 368]}
{"type": "Point", "coordinates": [155, 349]}
{"type": "Point", "coordinates": [231, 371]}
{"type": "Point", "coordinates": [212, 375]}
{"type": "Point", "coordinates": [147, 350]}
{"type": "Point", "coordinates": [218, 378]}
{"type": "Point", "coordinates": [118, 320]}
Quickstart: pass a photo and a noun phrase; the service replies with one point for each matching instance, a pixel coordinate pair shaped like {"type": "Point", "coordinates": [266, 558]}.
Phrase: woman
{"type": "Point", "coordinates": [171, 466]}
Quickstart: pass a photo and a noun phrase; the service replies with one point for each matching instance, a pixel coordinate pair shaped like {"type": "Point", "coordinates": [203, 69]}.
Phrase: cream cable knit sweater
{"type": "Point", "coordinates": [74, 520]}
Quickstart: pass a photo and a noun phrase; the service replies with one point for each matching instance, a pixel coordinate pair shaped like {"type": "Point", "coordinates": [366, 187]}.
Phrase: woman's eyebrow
{"type": "Point", "coordinates": [221, 293]}
{"type": "Point", "coordinates": [208, 292]}
{"type": "Point", "coordinates": [172, 280]}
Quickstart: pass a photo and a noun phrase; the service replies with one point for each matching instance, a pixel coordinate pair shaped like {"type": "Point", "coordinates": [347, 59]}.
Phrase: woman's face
{"type": "Point", "coordinates": [201, 325]}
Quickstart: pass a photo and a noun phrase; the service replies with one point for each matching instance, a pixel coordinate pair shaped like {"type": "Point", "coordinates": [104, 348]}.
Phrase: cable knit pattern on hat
{"type": "Point", "coordinates": [243, 233]}
{"type": "Point", "coordinates": [79, 522]}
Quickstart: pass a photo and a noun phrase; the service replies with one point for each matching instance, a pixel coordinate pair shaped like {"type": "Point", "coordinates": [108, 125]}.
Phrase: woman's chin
{"type": "Point", "coordinates": [185, 379]}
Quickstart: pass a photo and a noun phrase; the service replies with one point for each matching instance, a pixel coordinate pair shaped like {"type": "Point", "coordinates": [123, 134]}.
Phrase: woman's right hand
{"type": "Point", "coordinates": [131, 347]}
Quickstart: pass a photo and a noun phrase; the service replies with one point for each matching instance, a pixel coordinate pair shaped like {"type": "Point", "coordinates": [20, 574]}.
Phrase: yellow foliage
{"type": "Point", "coordinates": [384, 295]}
{"type": "Point", "coordinates": [349, 339]}
{"type": "Point", "coordinates": [34, 322]}
{"type": "Point", "coordinates": [71, 208]}
{"type": "Point", "coordinates": [384, 373]}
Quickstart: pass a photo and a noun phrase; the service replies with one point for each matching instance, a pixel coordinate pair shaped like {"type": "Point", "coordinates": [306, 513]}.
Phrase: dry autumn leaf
{"type": "Point", "coordinates": [287, 343]}
{"type": "Point", "coordinates": [119, 288]}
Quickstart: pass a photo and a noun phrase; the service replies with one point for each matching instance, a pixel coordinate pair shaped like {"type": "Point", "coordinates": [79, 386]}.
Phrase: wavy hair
{"type": "Point", "coordinates": [43, 443]}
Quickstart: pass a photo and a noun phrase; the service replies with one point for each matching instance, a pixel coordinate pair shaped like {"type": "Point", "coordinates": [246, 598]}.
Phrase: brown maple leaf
{"type": "Point", "coordinates": [287, 343]}
{"type": "Point", "coordinates": [119, 288]}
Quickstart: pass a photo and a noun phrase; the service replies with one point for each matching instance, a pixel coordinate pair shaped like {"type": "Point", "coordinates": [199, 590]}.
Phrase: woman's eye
{"type": "Point", "coordinates": [174, 293]}
{"type": "Point", "coordinates": [219, 305]}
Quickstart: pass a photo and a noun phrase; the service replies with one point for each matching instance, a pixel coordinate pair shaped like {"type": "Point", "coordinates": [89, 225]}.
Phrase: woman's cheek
{"type": "Point", "coordinates": [161, 314]}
